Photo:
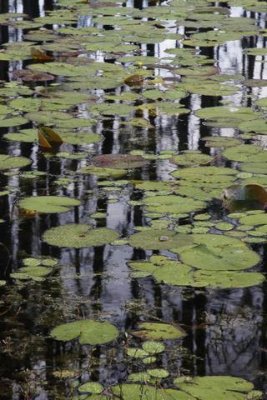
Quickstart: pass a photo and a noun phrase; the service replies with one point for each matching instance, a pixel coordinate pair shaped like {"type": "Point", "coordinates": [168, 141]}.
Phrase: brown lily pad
{"type": "Point", "coordinates": [124, 161]}
{"type": "Point", "coordinates": [30, 76]}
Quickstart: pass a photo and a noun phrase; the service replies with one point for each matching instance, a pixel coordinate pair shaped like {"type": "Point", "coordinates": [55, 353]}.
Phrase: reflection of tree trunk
{"type": "Point", "coordinates": [31, 8]}
{"type": "Point", "coordinates": [48, 4]}
{"type": "Point", "coordinates": [98, 267]}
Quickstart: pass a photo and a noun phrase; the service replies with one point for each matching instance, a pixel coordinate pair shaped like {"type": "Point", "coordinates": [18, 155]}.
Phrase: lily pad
{"type": "Point", "coordinates": [134, 391]}
{"type": "Point", "coordinates": [172, 204]}
{"type": "Point", "coordinates": [122, 161]}
{"type": "Point", "coordinates": [87, 331]}
{"type": "Point", "coordinates": [158, 331]}
{"type": "Point", "coordinates": [191, 158]}
{"type": "Point", "coordinates": [79, 236]}
{"type": "Point", "coordinates": [219, 387]}
{"type": "Point", "coordinates": [159, 239]}
{"type": "Point", "coordinates": [9, 162]}
{"type": "Point", "coordinates": [48, 204]}
{"type": "Point", "coordinates": [219, 252]}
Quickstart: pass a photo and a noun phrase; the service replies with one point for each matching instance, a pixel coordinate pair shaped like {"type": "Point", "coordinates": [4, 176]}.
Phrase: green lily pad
{"type": "Point", "coordinates": [91, 387]}
{"type": "Point", "coordinates": [13, 121]}
{"type": "Point", "coordinates": [159, 239]}
{"type": "Point", "coordinates": [79, 236]}
{"type": "Point", "coordinates": [172, 204]}
{"type": "Point", "coordinates": [103, 173]}
{"type": "Point", "coordinates": [134, 391]}
{"type": "Point", "coordinates": [9, 162]}
{"type": "Point", "coordinates": [48, 204]}
{"type": "Point", "coordinates": [153, 347]}
{"type": "Point", "coordinates": [191, 159]}
{"type": "Point", "coordinates": [258, 126]}
{"type": "Point", "coordinates": [217, 176]}
{"type": "Point", "coordinates": [219, 252]}
{"type": "Point", "coordinates": [87, 331]}
{"type": "Point", "coordinates": [158, 331]}
{"type": "Point", "coordinates": [172, 272]}
{"type": "Point", "coordinates": [219, 387]}
{"type": "Point", "coordinates": [247, 153]}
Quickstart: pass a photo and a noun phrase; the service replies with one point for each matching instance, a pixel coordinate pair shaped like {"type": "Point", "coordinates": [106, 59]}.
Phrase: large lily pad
{"type": "Point", "coordinates": [87, 331]}
{"type": "Point", "coordinates": [136, 391]}
{"type": "Point", "coordinates": [79, 236]}
{"type": "Point", "coordinates": [219, 252]}
{"type": "Point", "coordinates": [48, 204]}
{"type": "Point", "coordinates": [219, 387]}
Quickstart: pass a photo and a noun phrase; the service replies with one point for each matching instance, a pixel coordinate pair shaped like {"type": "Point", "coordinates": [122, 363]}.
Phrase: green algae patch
{"type": "Point", "coordinates": [10, 162]}
{"type": "Point", "coordinates": [218, 252]}
{"type": "Point", "coordinates": [48, 204]}
{"type": "Point", "coordinates": [79, 236]}
{"type": "Point", "coordinates": [158, 331]}
{"type": "Point", "coordinates": [219, 387]}
{"type": "Point", "coordinates": [87, 331]}
{"type": "Point", "coordinates": [159, 239]}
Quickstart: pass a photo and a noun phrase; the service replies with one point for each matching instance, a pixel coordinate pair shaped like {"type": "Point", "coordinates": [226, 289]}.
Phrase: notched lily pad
{"type": "Point", "coordinates": [87, 331]}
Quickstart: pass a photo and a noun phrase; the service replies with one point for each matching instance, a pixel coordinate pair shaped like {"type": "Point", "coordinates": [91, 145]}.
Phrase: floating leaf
{"type": "Point", "coordinates": [246, 152]}
{"type": "Point", "coordinates": [87, 331]}
{"type": "Point", "coordinates": [218, 252]}
{"type": "Point", "coordinates": [123, 161]}
{"type": "Point", "coordinates": [134, 391]}
{"type": "Point", "coordinates": [79, 236]}
{"type": "Point", "coordinates": [48, 204]}
{"type": "Point", "coordinates": [48, 138]}
{"type": "Point", "coordinates": [159, 239]}
{"type": "Point", "coordinates": [191, 158]}
{"type": "Point", "coordinates": [219, 387]}
{"type": "Point", "coordinates": [9, 162]}
{"type": "Point", "coordinates": [158, 331]}
{"type": "Point", "coordinates": [172, 204]}
{"type": "Point", "coordinates": [153, 347]}
{"type": "Point", "coordinates": [91, 387]}
{"type": "Point", "coordinates": [244, 197]}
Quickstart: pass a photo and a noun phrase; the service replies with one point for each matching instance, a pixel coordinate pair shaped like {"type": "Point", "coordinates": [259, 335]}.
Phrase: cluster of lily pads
{"type": "Point", "coordinates": [79, 78]}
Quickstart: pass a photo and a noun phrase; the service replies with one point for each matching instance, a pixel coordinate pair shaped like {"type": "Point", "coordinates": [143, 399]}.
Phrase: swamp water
{"type": "Point", "coordinates": [125, 274]}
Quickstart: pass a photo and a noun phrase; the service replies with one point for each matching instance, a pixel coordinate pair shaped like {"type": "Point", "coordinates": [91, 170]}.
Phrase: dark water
{"type": "Point", "coordinates": [226, 329]}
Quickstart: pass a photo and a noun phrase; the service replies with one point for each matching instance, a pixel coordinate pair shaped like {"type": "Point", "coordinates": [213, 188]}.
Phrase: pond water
{"type": "Point", "coordinates": [133, 172]}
